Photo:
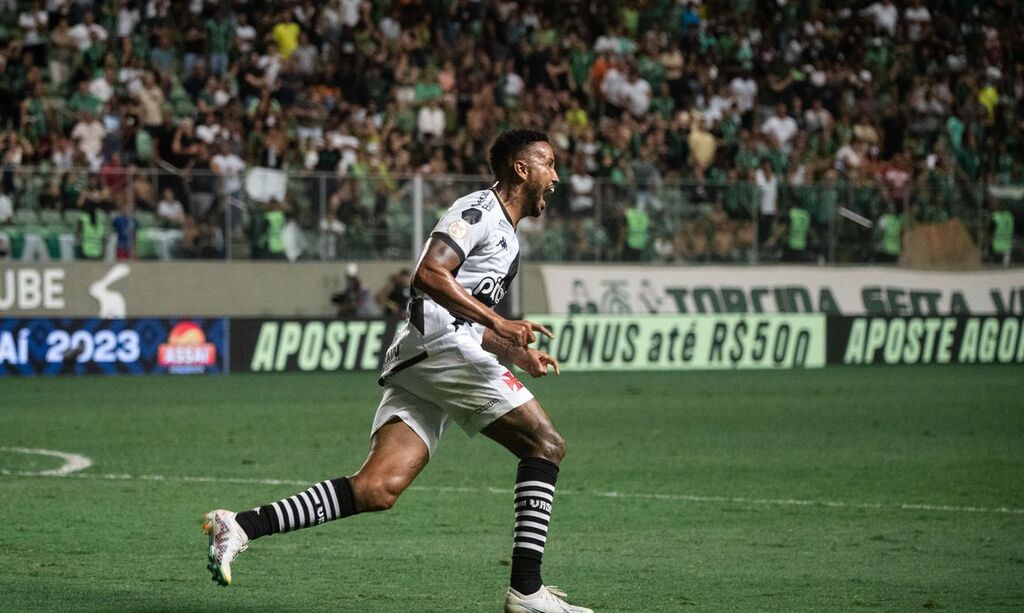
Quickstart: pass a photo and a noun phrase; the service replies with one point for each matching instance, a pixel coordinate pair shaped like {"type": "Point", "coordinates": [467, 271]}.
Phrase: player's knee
{"type": "Point", "coordinates": [551, 446]}
{"type": "Point", "coordinates": [380, 500]}
{"type": "Point", "coordinates": [378, 494]}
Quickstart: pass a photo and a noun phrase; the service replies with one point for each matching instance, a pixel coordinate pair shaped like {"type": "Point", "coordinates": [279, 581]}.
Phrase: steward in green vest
{"type": "Point", "coordinates": [275, 221]}
{"type": "Point", "coordinates": [799, 228]}
{"type": "Point", "coordinates": [92, 234]}
{"type": "Point", "coordinates": [1002, 236]}
{"type": "Point", "coordinates": [890, 243]}
{"type": "Point", "coordinates": [638, 226]}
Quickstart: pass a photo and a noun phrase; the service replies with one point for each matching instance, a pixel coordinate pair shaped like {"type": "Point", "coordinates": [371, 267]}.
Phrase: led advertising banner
{"type": "Point", "coordinates": [925, 340]}
{"type": "Point", "coordinates": [652, 342]}
{"type": "Point", "coordinates": [308, 345]}
{"type": "Point", "coordinates": [42, 346]}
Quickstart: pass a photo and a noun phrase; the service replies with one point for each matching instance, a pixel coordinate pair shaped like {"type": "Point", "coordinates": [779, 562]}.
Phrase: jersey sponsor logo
{"type": "Point", "coordinates": [511, 381]}
{"type": "Point", "coordinates": [457, 229]}
{"type": "Point", "coordinates": [490, 290]}
{"type": "Point", "coordinates": [472, 215]}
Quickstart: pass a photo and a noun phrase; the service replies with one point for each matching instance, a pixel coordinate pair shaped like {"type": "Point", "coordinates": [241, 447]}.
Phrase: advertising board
{"type": "Point", "coordinates": [925, 340]}
{"type": "Point", "coordinates": [42, 346]}
{"type": "Point", "coordinates": [307, 345]}
{"type": "Point", "coordinates": [780, 289]}
{"type": "Point", "coordinates": [653, 342]}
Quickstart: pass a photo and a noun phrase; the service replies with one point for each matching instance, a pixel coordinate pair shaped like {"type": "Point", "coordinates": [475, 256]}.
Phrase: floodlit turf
{"type": "Point", "coordinates": [710, 471]}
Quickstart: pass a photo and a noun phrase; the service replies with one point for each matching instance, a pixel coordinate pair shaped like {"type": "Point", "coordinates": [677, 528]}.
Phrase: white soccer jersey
{"type": "Point", "coordinates": [478, 228]}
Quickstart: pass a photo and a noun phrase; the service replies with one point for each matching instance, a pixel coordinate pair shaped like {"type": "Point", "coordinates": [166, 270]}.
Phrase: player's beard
{"type": "Point", "coordinates": [537, 202]}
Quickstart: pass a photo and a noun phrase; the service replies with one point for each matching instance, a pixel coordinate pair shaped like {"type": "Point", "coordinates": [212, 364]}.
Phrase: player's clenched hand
{"type": "Point", "coordinates": [520, 331]}
{"type": "Point", "coordinates": [536, 362]}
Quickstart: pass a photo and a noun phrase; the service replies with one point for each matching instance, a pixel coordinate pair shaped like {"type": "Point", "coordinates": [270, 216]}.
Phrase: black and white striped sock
{"type": "Point", "coordinates": [325, 501]}
{"type": "Point", "coordinates": [534, 494]}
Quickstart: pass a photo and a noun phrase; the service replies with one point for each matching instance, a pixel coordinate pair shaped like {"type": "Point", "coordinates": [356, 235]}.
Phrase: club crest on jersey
{"type": "Point", "coordinates": [457, 229]}
{"type": "Point", "coordinates": [510, 380]}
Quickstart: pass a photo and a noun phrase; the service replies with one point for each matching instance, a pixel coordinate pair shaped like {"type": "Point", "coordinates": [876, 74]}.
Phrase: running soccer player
{"type": "Point", "coordinates": [443, 366]}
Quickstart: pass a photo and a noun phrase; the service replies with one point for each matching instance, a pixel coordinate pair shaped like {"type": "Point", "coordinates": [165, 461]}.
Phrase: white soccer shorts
{"type": "Point", "coordinates": [459, 382]}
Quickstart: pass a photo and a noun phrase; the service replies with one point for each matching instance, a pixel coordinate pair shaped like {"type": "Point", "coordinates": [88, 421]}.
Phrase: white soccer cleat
{"type": "Point", "coordinates": [548, 599]}
{"type": "Point", "coordinates": [227, 540]}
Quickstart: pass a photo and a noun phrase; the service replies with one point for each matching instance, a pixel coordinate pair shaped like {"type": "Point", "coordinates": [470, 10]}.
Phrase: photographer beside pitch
{"type": "Point", "coordinates": [442, 367]}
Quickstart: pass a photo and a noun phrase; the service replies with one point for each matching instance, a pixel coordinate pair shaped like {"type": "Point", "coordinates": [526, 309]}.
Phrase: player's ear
{"type": "Point", "coordinates": [520, 167]}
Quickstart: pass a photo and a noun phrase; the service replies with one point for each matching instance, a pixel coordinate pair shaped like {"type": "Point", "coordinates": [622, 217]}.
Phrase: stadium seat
{"type": "Point", "coordinates": [146, 219]}
{"type": "Point", "coordinates": [25, 217]}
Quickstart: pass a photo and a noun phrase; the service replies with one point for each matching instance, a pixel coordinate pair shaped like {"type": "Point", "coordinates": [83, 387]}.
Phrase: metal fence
{"type": "Point", "coordinates": [265, 213]}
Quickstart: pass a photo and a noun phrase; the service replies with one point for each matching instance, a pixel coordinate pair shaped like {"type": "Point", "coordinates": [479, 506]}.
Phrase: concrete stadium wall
{"type": "Point", "coordinates": [304, 289]}
{"type": "Point", "coordinates": [175, 289]}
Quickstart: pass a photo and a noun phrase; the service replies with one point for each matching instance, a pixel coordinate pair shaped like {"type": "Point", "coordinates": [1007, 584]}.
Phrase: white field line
{"type": "Point", "coordinates": [729, 500]}
{"type": "Point", "coordinates": [73, 462]}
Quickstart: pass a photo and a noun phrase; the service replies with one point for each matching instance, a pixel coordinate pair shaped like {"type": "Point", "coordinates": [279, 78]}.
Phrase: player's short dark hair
{"type": "Point", "coordinates": [509, 145]}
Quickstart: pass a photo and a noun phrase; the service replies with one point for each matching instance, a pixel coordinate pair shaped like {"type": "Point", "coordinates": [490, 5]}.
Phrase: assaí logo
{"type": "Point", "coordinates": [186, 350]}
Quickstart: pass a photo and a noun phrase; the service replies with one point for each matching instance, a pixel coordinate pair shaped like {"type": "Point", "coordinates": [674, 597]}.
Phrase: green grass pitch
{"type": "Point", "coordinates": [889, 489]}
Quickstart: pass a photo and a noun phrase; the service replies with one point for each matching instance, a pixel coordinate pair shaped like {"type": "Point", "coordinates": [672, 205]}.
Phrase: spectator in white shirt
{"type": "Point", "coordinates": [103, 85]}
{"type": "Point", "coordinates": [918, 19]}
{"type": "Point", "coordinates": [209, 130]}
{"type": "Point", "coordinates": [127, 18]}
{"type": "Point", "coordinates": [83, 33]}
{"type": "Point", "coordinates": [513, 83]}
{"type": "Point", "coordinates": [768, 184]}
{"type": "Point", "coordinates": [229, 166]}
{"type": "Point", "coordinates": [430, 121]}
{"type": "Point", "coordinates": [636, 94]}
{"type": "Point", "coordinates": [170, 210]}
{"type": "Point", "coordinates": [817, 117]}
{"type": "Point", "coordinates": [6, 208]}
{"type": "Point", "coordinates": [744, 91]}
{"type": "Point", "coordinates": [35, 23]}
{"type": "Point", "coordinates": [350, 12]}
{"type": "Point", "coordinates": [581, 187]}
{"type": "Point", "coordinates": [89, 134]}
{"type": "Point", "coordinates": [886, 16]}
{"type": "Point", "coordinates": [717, 105]}
{"type": "Point", "coordinates": [613, 84]}
{"type": "Point", "coordinates": [780, 128]}
{"type": "Point", "coordinates": [245, 34]}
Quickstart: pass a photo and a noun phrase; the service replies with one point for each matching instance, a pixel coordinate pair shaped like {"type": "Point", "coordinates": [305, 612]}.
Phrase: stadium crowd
{"type": "Point", "coordinates": [687, 129]}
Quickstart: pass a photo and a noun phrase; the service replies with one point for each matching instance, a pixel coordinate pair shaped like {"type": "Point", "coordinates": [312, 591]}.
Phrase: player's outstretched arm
{"type": "Point", "coordinates": [434, 277]}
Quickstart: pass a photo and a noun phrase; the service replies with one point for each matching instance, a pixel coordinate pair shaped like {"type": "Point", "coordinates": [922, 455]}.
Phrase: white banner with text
{"type": "Point", "coordinates": [780, 289]}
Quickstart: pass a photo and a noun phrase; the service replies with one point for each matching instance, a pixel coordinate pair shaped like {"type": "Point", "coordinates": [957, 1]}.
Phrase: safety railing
{"type": "Point", "coordinates": [221, 210]}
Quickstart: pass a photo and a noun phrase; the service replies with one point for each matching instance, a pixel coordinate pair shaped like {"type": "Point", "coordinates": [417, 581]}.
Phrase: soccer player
{"type": "Point", "coordinates": [442, 367]}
